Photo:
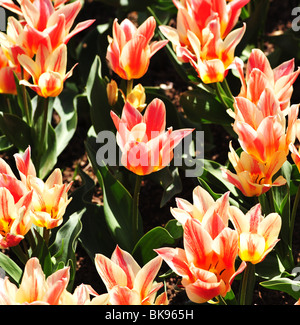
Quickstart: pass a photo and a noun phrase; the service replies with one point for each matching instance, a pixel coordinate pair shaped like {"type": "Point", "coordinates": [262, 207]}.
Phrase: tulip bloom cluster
{"type": "Point", "coordinates": [29, 200]}
{"type": "Point", "coordinates": [43, 31]}
{"type": "Point", "coordinates": [35, 289]}
{"type": "Point", "coordinates": [260, 112]}
{"type": "Point", "coordinates": [204, 35]}
{"type": "Point", "coordinates": [207, 261]}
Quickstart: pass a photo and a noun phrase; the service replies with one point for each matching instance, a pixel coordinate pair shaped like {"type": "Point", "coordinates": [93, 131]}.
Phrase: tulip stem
{"type": "Point", "coordinates": [136, 197]}
{"type": "Point", "coordinates": [227, 89]}
{"type": "Point", "coordinates": [46, 235]}
{"type": "Point", "coordinates": [219, 94]}
{"type": "Point", "coordinates": [293, 215]}
{"type": "Point", "coordinates": [41, 130]}
{"type": "Point", "coordinates": [247, 285]}
{"type": "Point", "coordinates": [129, 87]}
{"type": "Point", "coordinates": [25, 100]}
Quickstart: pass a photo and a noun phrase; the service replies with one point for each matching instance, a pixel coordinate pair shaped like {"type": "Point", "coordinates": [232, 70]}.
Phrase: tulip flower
{"type": "Point", "coordinates": [129, 51]}
{"type": "Point", "coordinates": [259, 76]}
{"type": "Point", "coordinates": [262, 130]}
{"type": "Point", "coordinates": [204, 36]}
{"type": "Point", "coordinates": [202, 208]}
{"type": "Point", "coordinates": [207, 262]}
{"type": "Point", "coordinates": [43, 20]}
{"type": "Point", "coordinates": [126, 282]}
{"type": "Point", "coordinates": [254, 178]}
{"type": "Point", "coordinates": [295, 154]}
{"type": "Point", "coordinates": [10, 5]}
{"type": "Point", "coordinates": [13, 42]}
{"type": "Point", "coordinates": [213, 58]}
{"type": "Point", "coordinates": [257, 234]}
{"type": "Point", "coordinates": [7, 80]}
{"type": "Point", "coordinates": [48, 71]}
{"type": "Point", "coordinates": [82, 296]}
{"type": "Point", "coordinates": [145, 145]}
{"type": "Point", "coordinates": [35, 289]}
{"type": "Point", "coordinates": [50, 199]}
{"type": "Point", "coordinates": [15, 217]}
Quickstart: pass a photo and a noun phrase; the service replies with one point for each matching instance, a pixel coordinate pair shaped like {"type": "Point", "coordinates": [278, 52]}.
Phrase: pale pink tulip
{"type": "Point", "coordinates": [35, 289]}
{"type": "Point", "coordinates": [126, 282]}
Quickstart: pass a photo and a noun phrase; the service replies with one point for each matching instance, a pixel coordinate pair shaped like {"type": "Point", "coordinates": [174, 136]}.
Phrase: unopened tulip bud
{"type": "Point", "coordinates": [112, 92]}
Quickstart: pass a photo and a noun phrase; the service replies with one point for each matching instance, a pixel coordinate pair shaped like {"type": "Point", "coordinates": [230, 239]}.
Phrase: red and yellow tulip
{"type": "Point", "coordinates": [126, 282]}
{"type": "Point", "coordinates": [207, 262]}
{"type": "Point", "coordinates": [129, 51]}
{"type": "Point", "coordinates": [145, 145]}
{"type": "Point", "coordinates": [15, 211]}
{"type": "Point", "coordinates": [48, 70]}
{"type": "Point", "coordinates": [261, 127]}
{"type": "Point", "coordinates": [49, 198]}
{"type": "Point", "coordinates": [35, 289]}
{"type": "Point", "coordinates": [204, 36]}
{"type": "Point", "coordinates": [202, 208]}
{"type": "Point", "coordinates": [44, 20]}
{"type": "Point", "coordinates": [257, 234]}
{"type": "Point", "coordinates": [252, 177]}
{"type": "Point", "coordinates": [259, 76]}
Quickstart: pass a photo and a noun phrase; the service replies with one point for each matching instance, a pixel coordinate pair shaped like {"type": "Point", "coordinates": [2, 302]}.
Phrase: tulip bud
{"type": "Point", "coordinates": [137, 97]}
{"type": "Point", "coordinates": [112, 92]}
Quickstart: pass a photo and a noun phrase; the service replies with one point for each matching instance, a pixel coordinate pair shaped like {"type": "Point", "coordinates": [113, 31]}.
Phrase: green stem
{"type": "Point", "coordinates": [24, 95]}
{"type": "Point", "coordinates": [227, 89]}
{"type": "Point", "coordinates": [247, 285]}
{"type": "Point", "coordinates": [135, 214]}
{"type": "Point", "coordinates": [217, 85]}
{"type": "Point", "coordinates": [129, 86]}
{"type": "Point", "coordinates": [42, 130]}
{"type": "Point", "coordinates": [46, 235]}
{"type": "Point", "coordinates": [293, 215]}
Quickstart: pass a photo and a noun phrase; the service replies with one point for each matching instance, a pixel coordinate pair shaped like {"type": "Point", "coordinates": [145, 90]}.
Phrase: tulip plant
{"type": "Point", "coordinates": [234, 229]}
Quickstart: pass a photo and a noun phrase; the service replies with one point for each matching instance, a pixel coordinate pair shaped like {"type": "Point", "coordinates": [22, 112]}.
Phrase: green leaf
{"type": "Point", "coordinates": [287, 285]}
{"type": "Point", "coordinates": [64, 105]}
{"type": "Point", "coordinates": [117, 202]}
{"type": "Point", "coordinates": [67, 237]}
{"type": "Point", "coordinates": [95, 236]}
{"type": "Point", "coordinates": [41, 251]}
{"type": "Point", "coordinates": [156, 238]}
{"type": "Point", "coordinates": [97, 97]}
{"type": "Point", "coordinates": [202, 106]}
{"type": "Point", "coordinates": [11, 268]}
{"type": "Point", "coordinates": [16, 130]}
{"type": "Point", "coordinates": [49, 156]}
